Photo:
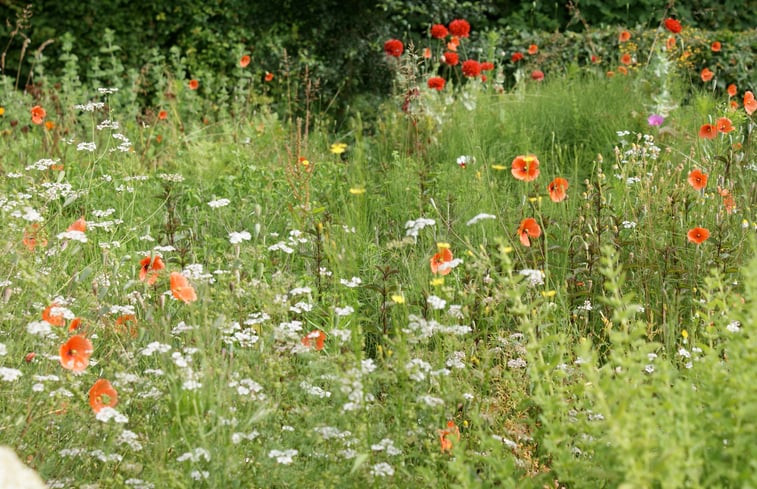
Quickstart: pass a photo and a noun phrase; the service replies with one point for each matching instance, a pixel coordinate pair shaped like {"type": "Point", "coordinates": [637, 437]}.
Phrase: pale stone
{"type": "Point", "coordinates": [16, 475]}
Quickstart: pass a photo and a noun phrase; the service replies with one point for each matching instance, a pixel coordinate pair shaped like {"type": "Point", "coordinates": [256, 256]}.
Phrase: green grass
{"type": "Point", "coordinates": [546, 382]}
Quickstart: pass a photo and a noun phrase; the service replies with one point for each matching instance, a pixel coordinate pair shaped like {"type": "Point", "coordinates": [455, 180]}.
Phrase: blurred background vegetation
{"type": "Point", "coordinates": [337, 44]}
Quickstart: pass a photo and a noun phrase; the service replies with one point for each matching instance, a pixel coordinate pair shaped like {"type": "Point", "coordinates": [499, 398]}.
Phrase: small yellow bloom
{"type": "Point", "coordinates": [2, 110]}
{"type": "Point", "coordinates": [548, 293]}
{"type": "Point", "coordinates": [389, 352]}
{"type": "Point", "coordinates": [685, 334]}
{"type": "Point", "coordinates": [338, 148]}
{"type": "Point", "coordinates": [304, 161]}
{"type": "Point", "coordinates": [437, 281]}
{"type": "Point", "coordinates": [499, 167]}
{"type": "Point", "coordinates": [442, 245]}
{"type": "Point", "coordinates": [357, 190]}
{"type": "Point", "coordinates": [507, 249]}
{"type": "Point", "coordinates": [398, 299]}
{"type": "Point", "coordinates": [469, 253]}
{"type": "Point", "coordinates": [535, 199]}
{"type": "Point", "coordinates": [49, 125]}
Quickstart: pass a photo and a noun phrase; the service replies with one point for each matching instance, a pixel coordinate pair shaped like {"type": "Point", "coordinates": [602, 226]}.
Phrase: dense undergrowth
{"type": "Point", "coordinates": [530, 283]}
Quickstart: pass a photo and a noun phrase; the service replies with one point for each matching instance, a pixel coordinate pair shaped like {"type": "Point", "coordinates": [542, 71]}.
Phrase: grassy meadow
{"type": "Point", "coordinates": [478, 286]}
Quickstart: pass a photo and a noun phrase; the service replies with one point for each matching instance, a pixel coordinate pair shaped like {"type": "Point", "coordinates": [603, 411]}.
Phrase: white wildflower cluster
{"type": "Point", "coordinates": [295, 238]}
{"type": "Point", "coordinates": [465, 160]}
{"type": "Point", "coordinates": [153, 347]}
{"type": "Point", "coordinates": [196, 273]}
{"type": "Point", "coordinates": [430, 401]}
{"type": "Point", "coordinates": [42, 164]}
{"type": "Point", "coordinates": [314, 390]}
{"type": "Point", "coordinates": [248, 388]}
{"type": "Point", "coordinates": [171, 177]}
{"type": "Point", "coordinates": [135, 483]}
{"type": "Point", "coordinates": [343, 311]}
{"type": "Point", "coordinates": [86, 146]}
{"type": "Point", "coordinates": [436, 303]}
{"type": "Point", "coordinates": [533, 277]}
{"type": "Point", "coordinates": [283, 457]}
{"type": "Point", "coordinates": [195, 455]}
{"type": "Point", "coordinates": [329, 432]}
{"type": "Point", "coordinates": [3, 350]}
{"type": "Point", "coordinates": [420, 329]}
{"type": "Point", "coordinates": [107, 414]}
{"type": "Point", "coordinates": [382, 469]}
{"type": "Point", "coordinates": [628, 224]}
{"type": "Point", "coordinates": [256, 318]}
{"type": "Point", "coordinates": [733, 327]}
{"type": "Point", "coordinates": [199, 475]}
{"type": "Point", "coordinates": [234, 333]}
{"type": "Point", "coordinates": [237, 438]}
{"type": "Point", "coordinates": [352, 386]}
{"type": "Point", "coordinates": [218, 203]}
{"type": "Point", "coordinates": [108, 124]}
{"type": "Point", "coordinates": [58, 190]}
{"type": "Point", "coordinates": [90, 106]}
{"type": "Point", "coordinates": [238, 237]}
{"type": "Point", "coordinates": [130, 439]}
{"type": "Point", "coordinates": [182, 327]}
{"type": "Point", "coordinates": [30, 215]}
{"type": "Point", "coordinates": [386, 445]}
{"type": "Point", "coordinates": [516, 363]}
{"type": "Point", "coordinates": [351, 283]}
{"type": "Point", "coordinates": [10, 374]}
{"type": "Point", "coordinates": [456, 360]}
{"type": "Point", "coordinates": [73, 236]}
{"type": "Point", "coordinates": [413, 227]}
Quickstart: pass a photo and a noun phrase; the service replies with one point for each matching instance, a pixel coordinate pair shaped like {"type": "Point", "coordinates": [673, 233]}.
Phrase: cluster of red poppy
{"type": "Point", "coordinates": [722, 125]}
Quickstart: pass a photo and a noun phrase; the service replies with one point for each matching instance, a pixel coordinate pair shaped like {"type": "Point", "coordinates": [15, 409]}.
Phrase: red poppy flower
{"type": "Point", "coordinates": [444, 436]}
{"type": "Point", "coordinates": [533, 49]}
{"type": "Point", "coordinates": [487, 66]}
{"type": "Point", "coordinates": [750, 105]}
{"type": "Point", "coordinates": [162, 115]}
{"type": "Point", "coordinates": [75, 353]}
{"type": "Point", "coordinates": [537, 75]}
{"type": "Point", "coordinates": [557, 189]}
{"type": "Point", "coordinates": [194, 84]}
{"type": "Point", "coordinates": [38, 114]}
{"type": "Point", "coordinates": [452, 59]}
{"type": "Point", "coordinates": [594, 58]}
{"type": "Point", "coordinates": [732, 91]}
{"type": "Point", "coordinates": [626, 59]}
{"type": "Point", "coordinates": [102, 395]}
{"type": "Point", "coordinates": [734, 105]}
{"type": "Point", "coordinates": [74, 324]}
{"type": "Point", "coordinates": [453, 43]}
{"type": "Point", "coordinates": [697, 179]}
{"type": "Point", "coordinates": [698, 235]}
{"type": "Point", "coordinates": [728, 202]}
{"type": "Point", "coordinates": [724, 125]}
{"type": "Point", "coordinates": [459, 28]}
{"type": "Point", "coordinates": [528, 228]}
{"type": "Point", "coordinates": [715, 46]}
{"type": "Point", "coordinates": [622, 70]}
{"type": "Point", "coordinates": [150, 266]}
{"type": "Point", "coordinates": [673, 25]}
{"type": "Point", "coordinates": [517, 56]}
{"type": "Point", "coordinates": [181, 289]}
{"type": "Point", "coordinates": [31, 237]}
{"type": "Point", "coordinates": [127, 323]}
{"type": "Point", "coordinates": [708, 131]}
{"type": "Point", "coordinates": [706, 75]}
{"type": "Point", "coordinates": [471, 68]}
{"type": "Point", "coordinates": [426, 53]}
{"type": "Point", "coordinates": [436, 83]}
{"type": "Point", "coordinates": [438, 31]}
{"type": "Point", "coordinates": [439, 262]}
{"type": "Point", "coordinates": [624, 36]}
{"type": "Point", "coordinates": [394, 47]}
{"type": "Point", "coordinates": [268, 76]}
{"type": "Point", "coordinates": [244, 61]}
{"type": "Point", "coordinates": [53, 318]}
{"type": "Point", "coordinates": [525, 168]}
{"type": "Point", "coordinates": [78, 225]}
{"type": "Point", "coordinates": [315, 339]}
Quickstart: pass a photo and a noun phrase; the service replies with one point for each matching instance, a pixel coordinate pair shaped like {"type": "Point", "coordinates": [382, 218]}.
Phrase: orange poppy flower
{"type": "Point", "coordinates": [626, 59]}
{"type": "Point", "coordinates": [181, 289]}
{"type": "Point", "coordinates": [453, 43]}
{"type": "Point", "coordinates": [427, 53]}
{"type": "Point", "coordinates": [444, 436]}
{"type": "Point", "coordinates": [74, 324]}
{"type": "Point", "coordinates": [715, 46]}
{"type": "Point", "coordinates": [734, 105]}
{"type": "Point", "coordinates": [53, 318]}
{"type": "Point", "coordinates": [622, 70]}
{"type": "Point", "coordinates": [162, 115]}
{"type": "Point", "coordinates": [698, 235]}
{"type": "Point", "coordinates": [728, 202]}
{"type": "Point", "coordinates": [525, 168]}
{"type": "Point", "coordinates": [732, 91]}
{"type": "Point", "coordinates": [528, 228]}
{"type": "Point", "coordinates": [610, 74]}
{"type": "Point", "coordinates": [706, 74]}
{"type": "Point", "coordinates": [670, 43]}
{"type": "Point", "coordinates": [102, 395]}
{"type": "Point", "coordinates": [708, 131]}
{"type": "Point", "coordinates": [624, 36]}
{"type": "Point", "coordinates": [194, 84]}
{"type": "Point", "coordinates": [724, 125]}
{"type": "Point", "coordinates": [78, 225]}
{"type": "Point", "coordinates": [244, 61]}
{"type": "Point", "coordinates": [268, 76]}
{"type": "Point", "coordinates": [750, 105]}
{"type": "Point", "coordinates": [31, 237]}
{"type": "Point", "coordinates": [49, 125]}
{"type": "Point", "coordinates": [38, 114]}
{"type": "Point", "coordinates": [315, 339]}
{"type": "Point", "coordinates": [697, 179]}
{"type": "Point", "coordinates": [557, 189]}
{"type": "Point", "coordinates": [75, 353]}
{"type": "Point", "coordinates": [533, 49]}
{"type": "Point", "coordinates": [151, 265]}
{"type": "Point", "coordinates": [439, 262]}
{"type": "Point", "coordinates": [127, 323]}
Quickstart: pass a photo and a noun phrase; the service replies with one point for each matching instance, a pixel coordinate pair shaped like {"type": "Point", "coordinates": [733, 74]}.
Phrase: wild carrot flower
{"type": "Point", "coordinates": [194, 84]}
{"type": "Point", "coordinates": [244, 61]}
{"type": "Point", "coordinates": [528, 228]}
{"type": "Point", "coordinates": [436, 83]}
{"type": "Point", "coordinates": [697, 179]}
{"type": "Point", "coordinates": [439, 262]}
{"type": "Point", "coordinates": [624, 36]}
{"type": "Point", "coordinates": [706, 74]}
{"type": "Point", "coordinates": [393, 47]}
{"type": "Point", "coordinates": [525, 168]}
{"type": "Point", "coordinates": [724, 125]}
{"type": "Point", "coordinates": [698, 235]}
{"type": "Point", "coordinates": [750, 105]}
{"type": "Point", "coordinates": [315, 339]}
{"type": "Point", "coordinates": [459, 28]}
{"type": "Point", "coordinates": [439, 31]}
{"type": "Point", "coordinates": [38, 114]}
{"type": "Point", "coordinates": [102, 395]}
{"type": "Point", "coordinates": [557, 189]}
{"type": "Point", "coordinates": [708, 131]}
{"type": "Point", "coordinates": [181, 289]}
{"type": "Point", "coordinates": [673, 25]}
{"type": "Point", "coordinates": [75, 353]}
{"type": "Point", "coordinates": [150, 266]}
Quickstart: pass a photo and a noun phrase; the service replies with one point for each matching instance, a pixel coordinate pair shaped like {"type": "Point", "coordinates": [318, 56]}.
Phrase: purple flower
{"type": "Point", "coordinates": [655, 120]}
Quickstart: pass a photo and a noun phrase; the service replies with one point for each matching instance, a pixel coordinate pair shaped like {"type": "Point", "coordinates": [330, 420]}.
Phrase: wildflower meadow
{"type": "Point", "coordinates": [531, 264]}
